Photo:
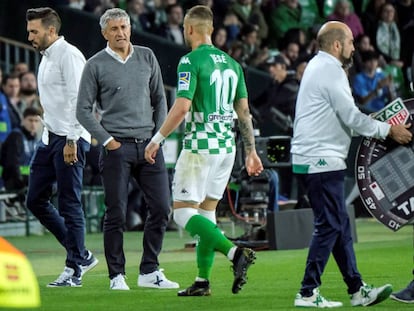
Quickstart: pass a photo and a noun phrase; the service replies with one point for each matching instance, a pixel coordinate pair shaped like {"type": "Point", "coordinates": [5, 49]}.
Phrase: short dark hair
{"type": "Point", "coordinates": [170, 7]}
{"type": "Point", "coordinates": [369, 55]}
{"type": "Point", "coordinates": [247, 29]}
{"type": "Point", "coordinates": [10, 76]}
{"type": "Point", "coordinates": [278, 59]}
{"type": "Point", "coordinates": [30, 112]}
{"type": "Point", "coordinates": [26, 73]}
{"type": "Point", "coordinates": [48, 17]}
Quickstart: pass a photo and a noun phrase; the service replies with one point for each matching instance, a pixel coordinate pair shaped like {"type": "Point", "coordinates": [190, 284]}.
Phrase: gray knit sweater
{"type": "Point", "coordinates": [130, 96]}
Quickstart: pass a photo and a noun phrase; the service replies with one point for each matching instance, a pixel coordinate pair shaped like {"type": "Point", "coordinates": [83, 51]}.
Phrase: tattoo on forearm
{"type": "Point", "coordinates": [246, 131]}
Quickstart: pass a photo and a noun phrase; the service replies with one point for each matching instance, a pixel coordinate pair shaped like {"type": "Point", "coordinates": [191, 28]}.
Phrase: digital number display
{"type": "Point", "coordinates": [385, 178]}
{"type": "Point", "coordinates": [394, 172]}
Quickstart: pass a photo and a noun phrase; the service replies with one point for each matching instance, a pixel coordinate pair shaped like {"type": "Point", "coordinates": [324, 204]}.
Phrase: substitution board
{"type": "Point", "coordinates": [385, 170]}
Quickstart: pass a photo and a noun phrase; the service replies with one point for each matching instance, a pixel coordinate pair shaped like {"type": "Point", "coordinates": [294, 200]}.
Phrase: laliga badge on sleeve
{"type": "Point", "coordinates": [385, 170]}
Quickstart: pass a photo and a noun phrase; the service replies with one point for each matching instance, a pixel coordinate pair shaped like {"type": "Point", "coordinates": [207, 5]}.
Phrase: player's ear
{"type": "Point", "coordinates": [190, 29]}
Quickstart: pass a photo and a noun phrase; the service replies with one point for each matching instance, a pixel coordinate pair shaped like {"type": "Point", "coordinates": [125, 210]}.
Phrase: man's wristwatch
{"type": "Point", "coordinates": [70, 142]}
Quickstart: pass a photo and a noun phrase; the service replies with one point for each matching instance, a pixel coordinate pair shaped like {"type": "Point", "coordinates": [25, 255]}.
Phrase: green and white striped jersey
{"type": "Point", "coordinates": [212, 80]}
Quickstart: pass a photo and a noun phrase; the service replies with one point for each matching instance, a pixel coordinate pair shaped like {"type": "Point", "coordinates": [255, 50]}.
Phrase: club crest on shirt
{"type": "Point", "coordinates": [184, 81]}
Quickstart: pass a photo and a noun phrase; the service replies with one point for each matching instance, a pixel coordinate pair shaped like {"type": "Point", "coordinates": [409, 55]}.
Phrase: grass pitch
{"type": "Point", "coordinates": [383, 257]}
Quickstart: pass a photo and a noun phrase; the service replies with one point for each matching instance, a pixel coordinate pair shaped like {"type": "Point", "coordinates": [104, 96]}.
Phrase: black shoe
{"type": "Point", "coordinates": [405, 295]}
{"type": "Point", "coordinates": [242, 260]}
{"type": "Point", "coordinates": [199, 288]}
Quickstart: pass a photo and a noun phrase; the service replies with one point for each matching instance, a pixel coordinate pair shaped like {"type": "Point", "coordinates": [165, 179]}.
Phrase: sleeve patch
{"type": "Point", "coordinates": [184, 81]}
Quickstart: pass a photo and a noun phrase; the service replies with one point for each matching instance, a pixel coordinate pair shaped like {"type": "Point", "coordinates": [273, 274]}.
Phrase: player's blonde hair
{"type": "Point", "coordinates": [201, 18]}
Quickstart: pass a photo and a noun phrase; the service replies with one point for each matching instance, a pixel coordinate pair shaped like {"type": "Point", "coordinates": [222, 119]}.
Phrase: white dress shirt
{"type": "Point", "coordinates": [59, 75]}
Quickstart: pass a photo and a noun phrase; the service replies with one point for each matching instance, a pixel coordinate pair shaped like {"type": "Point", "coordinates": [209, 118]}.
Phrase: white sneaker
{"type": "Point", "coordinates": [156, 279]}
{"type": "Point", "coordinates": [66, 279]}
{"type": "Point", "coordinates": [118, 283]}
{"type": "Point", "coordinates": [368, 295]}
{"type": "Point", "coordinates": [315, 301]}
{"type": "Point", "coordinates": [90, 262]}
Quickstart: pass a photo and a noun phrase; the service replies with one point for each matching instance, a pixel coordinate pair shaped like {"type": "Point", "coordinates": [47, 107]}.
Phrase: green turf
{"type": "Point", "coordinates": [383, 257]}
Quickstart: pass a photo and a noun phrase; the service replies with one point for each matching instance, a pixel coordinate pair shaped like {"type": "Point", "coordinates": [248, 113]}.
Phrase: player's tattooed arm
{"type": "Point", "coordinates": [245, 125]}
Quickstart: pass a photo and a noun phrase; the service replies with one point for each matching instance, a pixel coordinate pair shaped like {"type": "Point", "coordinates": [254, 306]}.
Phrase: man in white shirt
{"type": "Point", "coordinates": [60, 156]}
{"type": "Point", "coordinates": [325, 116]}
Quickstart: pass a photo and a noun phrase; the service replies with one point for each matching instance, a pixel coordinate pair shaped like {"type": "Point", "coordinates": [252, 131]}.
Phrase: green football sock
{"type": "Point", "coordinates": [205, 260]}
{"type": "Point", "coordinates": [210, 239]}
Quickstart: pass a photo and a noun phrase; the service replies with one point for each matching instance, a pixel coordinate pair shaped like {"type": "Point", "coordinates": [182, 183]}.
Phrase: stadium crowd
{"type": "Point", "coordinates": [255, 31]}
{"type": "Point", "coordinates": [277, 37]}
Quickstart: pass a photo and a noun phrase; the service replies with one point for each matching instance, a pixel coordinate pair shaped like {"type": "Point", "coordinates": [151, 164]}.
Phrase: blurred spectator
{"type": "Point", "coordinates": [28, 92]}
{"type": "Point", "coordinates": [253, 55]}
{"type": "Point", "coordinates": [276, 106]}
{"type": "Point", "coordinates": [140, 20]}
{"type": "Point", "coordinates": [219, 38]}
{"type": "Point", "coordinates": [98, 7]}
{"type": "Point", "coordinates": [369, 18]}
{"type": "Point", "coordinates": [11, 89]}
{"type": "Point", "coordinates": [300, 68]}
{"type": "Point", "coordinates": [285, 16]}
{"type": "Point", "coordinates": [233, 26]}
{"type": "Point", "coordinates": [236, 51]}
{"type": "Point", "coordinates": [362, 44]}
{"type": "Point", "coordinates": [160, 15]}
{"type": "Point", "coordinates": [307, 45]}
{"type": "Point", "coordinates": [312, 15]}
{"type": "Point", "coordinates": [371, 87]}
{"type": "Point", "coordinates": [5, 124]}
{"type": "Point", "coordinates": [342, 12]}
{"type": "Point", "coordinates": [172, 30]}
{"type": "Point", "coordinates": [388, 40]}
{"type": "Point", "coordinates": [291, 54]}
{"type": "Point", "coordinates": [77, 4]}
{"type": "Point", "coordinates": [18, 149]}
{"type": "Point", "coordinates": [20, 68]}
{"type": "Point", "coordinates": [188, 4]}
{"type": "Point", "coordinates": [248, 12]}
{"type": "Point", "coordinates": [29, 96]}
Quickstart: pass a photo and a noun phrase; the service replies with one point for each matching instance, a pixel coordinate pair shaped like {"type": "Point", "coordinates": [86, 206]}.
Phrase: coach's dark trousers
{"type": "Point", "coordinates": [117, 167]}
{"type": "Point", "coordinates": [332, 231]}
{"type": "Point", "coordinates": [67, 222]}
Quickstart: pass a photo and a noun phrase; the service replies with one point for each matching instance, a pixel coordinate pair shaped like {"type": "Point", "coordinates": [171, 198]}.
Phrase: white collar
{"type": "Point", "coordinates": [116, 56]}
{"type": "Point", "coordinates": [53, 46]}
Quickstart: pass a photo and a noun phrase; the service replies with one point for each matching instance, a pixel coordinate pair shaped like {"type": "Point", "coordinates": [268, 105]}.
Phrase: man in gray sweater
{"type": "Point", "coordinates": [126, 84]}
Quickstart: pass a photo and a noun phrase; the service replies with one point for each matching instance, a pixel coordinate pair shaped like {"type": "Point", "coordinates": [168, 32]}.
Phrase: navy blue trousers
{"type": "Point", "coordinates": [332, 231]}
{"type": "Point", "coordinates": [117, 166]}
{"type": "Point", "coordinates": [67, 222]}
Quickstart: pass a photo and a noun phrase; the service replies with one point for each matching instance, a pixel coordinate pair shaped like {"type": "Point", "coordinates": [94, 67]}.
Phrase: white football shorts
{"type": "Point", "coordinates": [200, 176]}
